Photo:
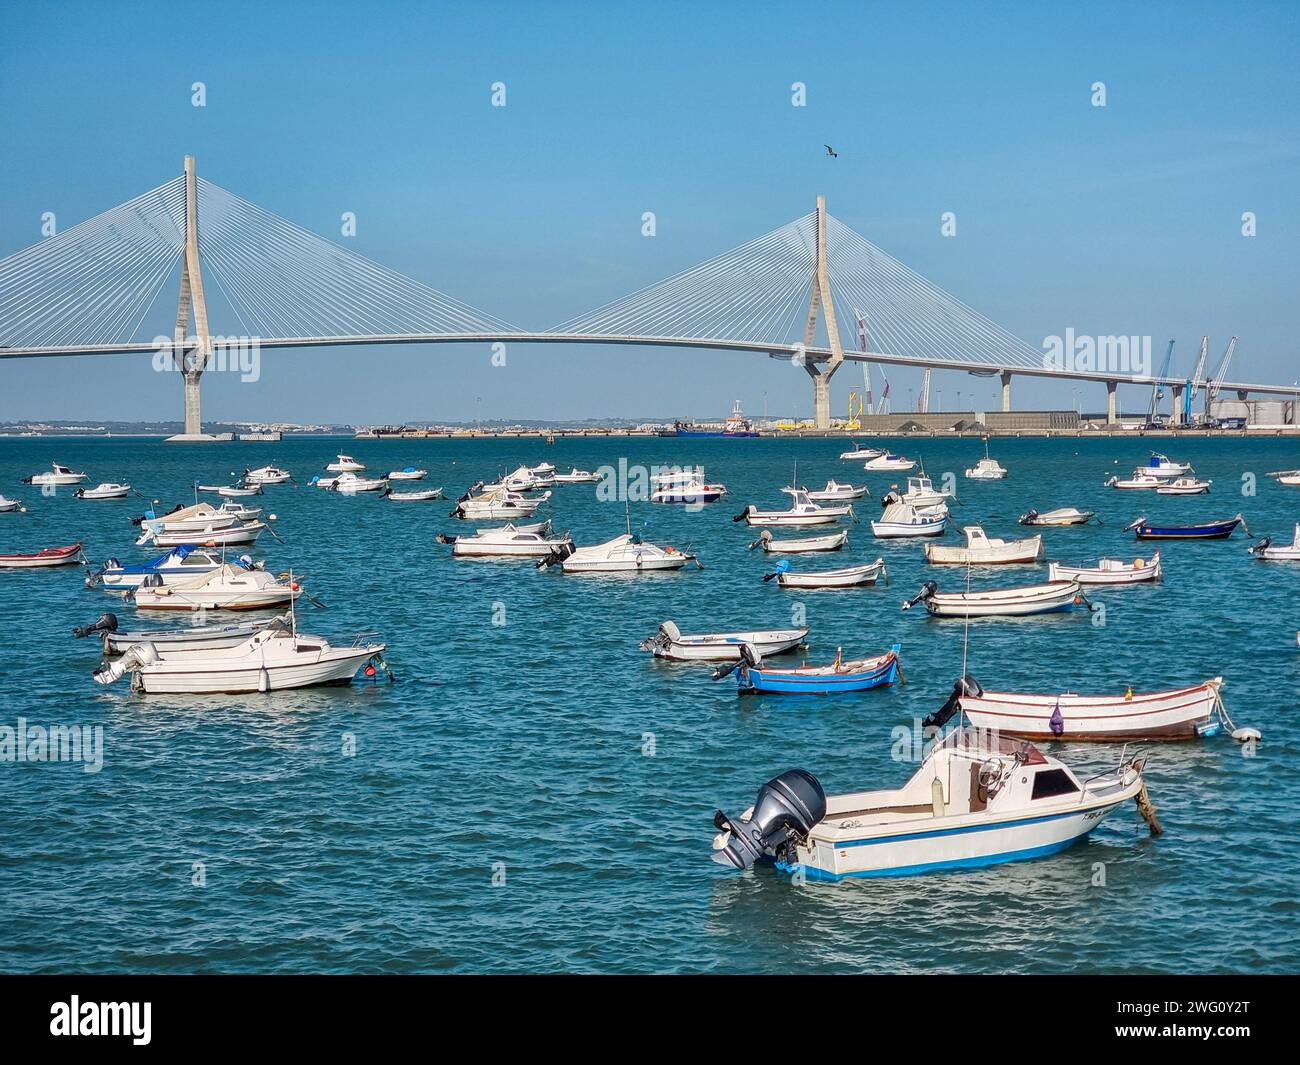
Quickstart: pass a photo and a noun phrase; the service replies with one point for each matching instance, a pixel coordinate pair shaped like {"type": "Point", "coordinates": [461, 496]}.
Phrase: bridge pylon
{"type": "Point", "coordinates": [820, 299]}
{"type": "Point", "coordinates": [191, 350]}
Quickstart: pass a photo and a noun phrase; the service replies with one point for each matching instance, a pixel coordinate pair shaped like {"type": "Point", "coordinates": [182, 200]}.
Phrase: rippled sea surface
{"type": "Point", "coordinates": [535, 793]}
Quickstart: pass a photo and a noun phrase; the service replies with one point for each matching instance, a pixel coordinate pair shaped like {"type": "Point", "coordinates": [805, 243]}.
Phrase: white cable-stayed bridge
{"type": "Point", "coordinates": [788, 293]}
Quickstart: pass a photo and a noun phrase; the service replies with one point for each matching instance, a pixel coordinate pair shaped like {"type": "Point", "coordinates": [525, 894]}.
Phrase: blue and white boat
{"type": "Point", "coordinates": [1211, 530]}
{"type": "Point", "coordinates": [178, 564]}
{"type": "Point", "coordinates": [977, 799]}
{"type": "Point", "coordinates": [857, 675]}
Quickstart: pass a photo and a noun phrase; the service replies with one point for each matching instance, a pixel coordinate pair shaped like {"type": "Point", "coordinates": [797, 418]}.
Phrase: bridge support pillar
{"type": "Point", "coordinates": [1176, 392]}
{"type": "Point", "coordinates": [1006, 390]}
{"type": "Point", "coordinates": [820, 301]}
{"type": "Point", "coordinates": [190, 351]}
{"type": "Point", "coordinates": [1112, 408]}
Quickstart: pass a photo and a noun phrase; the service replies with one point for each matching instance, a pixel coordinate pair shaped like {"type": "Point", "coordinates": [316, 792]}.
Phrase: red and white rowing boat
{"type": "Point", "coordinates": [1181, 714]}
{"type": "Point", "coordinates": [50, 556]}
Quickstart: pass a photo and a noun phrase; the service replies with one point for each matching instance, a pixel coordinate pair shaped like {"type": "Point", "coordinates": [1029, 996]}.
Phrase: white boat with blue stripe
{"type": "Point", "coordinates": [976, 800]}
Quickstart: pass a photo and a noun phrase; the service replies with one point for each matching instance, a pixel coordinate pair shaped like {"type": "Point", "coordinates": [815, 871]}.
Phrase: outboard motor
{"type": "Point", "coordinates": [557, 555]}
{"type": "Point", "coordinates": [763, 538]}
{"type": "Point", "coordinates": [967, 686]}
{"type": "Point", "coordinates": [152, 580]}
{"type": "Point", "coordinates": [787, 808]}
{"type": "Point", "coordinates": [106, 623]}
{"type": "Point", "coordinates": [137, 655]}
{"type": "Point", "coordinates": [749, 658]}
{"type": "Point", "coordinates": [1030, 518]}
{"type": "Point", "coordinates": [1134, 524]}
{"type": "Point", "coordinates": [1260, 545]}
{"type": "Point", "coordinates": [927, 590]}
{"type": "Point", "coordinates": [781, 567]}
{"type": "Point", "coordinates": [744, 513]}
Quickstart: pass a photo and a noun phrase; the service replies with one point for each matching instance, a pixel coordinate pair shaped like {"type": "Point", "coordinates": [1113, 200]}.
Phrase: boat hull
{"type": "Point", "coordinates": [897, 530]}
{"type": "Point", "coordinates": [876, 673]}
{"type": "Point", "coordinates": [179, 677]}
{"type": "Point", "coordinates": [1004, 603]}
{"type": "Point", "coordinates": [51, 556]}
{"type": "Point", "coordinates": [850, 577]}
{"type": "Point", "coordinates": [1218, 530]}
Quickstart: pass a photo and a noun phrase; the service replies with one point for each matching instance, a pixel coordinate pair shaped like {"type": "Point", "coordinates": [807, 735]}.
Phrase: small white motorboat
{"type": "Point", "coordinates": [976, 800]}
{"type": "Point", "coordinates": [345, 464]}
{"type": "Point", "coordinates": [1181, 714]}
{"type": "Point", "coordinates": [276, 658]}
{"type": "Point", "coordinates": [1160, 466]}
{"type": "Point", "coordinates": [987, 469]}
{"type": "Point", "coordinates": [888, 462]}
{"type": "Point", "coordinates": [239, 511]}
{"type": "Point", "coordinates": [240, 491]}
{"type": "Point", "coordinates": [167, 641]}
{"type": "Point", "coordinates": [407, 473]}
{"type": "Point", "coordinates": [1266, 551]}
{"type": "Point", "coordinates": [983, 550]}
{"type": "Point", "coordinates": [7, 504]}
{"type": "Point", "coordinates": [577, 476]}
{"type": "Point", "coordinates": [900, 520]}
{"type": "Point", "coordinates": [669, 642]}
{"type": "Point", "coordinates": [686, 486]}
{"type": "Point", "coordinates": [623, 554]}
{"type": "Point", "coordinates": [351, 484]}
{"type": "Point", "coordinates": [1140, 480]}
{"type": "Point", "coordinates": [57, 475]}
{"type": "Point", "coordinates": [998, 602]}
{"type": "Point", "coordinates": [214, 534]}
{"type": "Point", "coordinates": [1287, 477]}
{"type": "Point", "coordinates": [847, 577]}
{"type": "Point", "coordinates": [179, 564]}
{"type": "Point", "coordinates": [267, 475]}
{"type": "Point", "coordinates": [506, 542]}
{"type": "Point", "coordinates": [499, 505]}
{"type": "Point", "coordinates": [424, 496]}
{"type": "Point", "coordinates": [921, 492]}
{"type": "Point", "coordinates": [107, 490]}
{"type": "Point", "coordinates": [803, 511]}
{"type": "Point", "coordinates": [804, 545]}
{"type": "Point", "coordinates": [231, 587]}
{"type": "Point", "coordinates": [200, 516]}
{"type": "Point", "coordinates": [836, 492]}
{"type": "Point", "coordinates": [1184, 486]}
{"type": "Point", "coordinates": [861, 453]}
{"type": "Point", "coordinates": [1059, 516]}
{"type": "Point", "coordinates": [1109, 571]}
{"type": "Point", "coordinates": [521, 479]}
{"type": "Point", "coordinates": [542, 527]}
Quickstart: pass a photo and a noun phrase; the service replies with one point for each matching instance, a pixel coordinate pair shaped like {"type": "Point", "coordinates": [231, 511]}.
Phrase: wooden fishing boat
{"type": "Point", "coordinates": [670, 642]}
{"type": "Point", "coordinates": [803, 511]}
{"type": "Point", "coordinates": [977, 799]}
{"type": "Point", "coordinates": [998, 602]}
{"type": "Point", "coordinates": [899, 520]}
{"type": "Point", "coordinates": [836, 492]}
{"type": "Point", "coordinates": [1184, 486]}
{"type": "Point", "coordinates": [1265, 550]}
{"type": "Point", "coordinates": [983, 550]}
{"type": "Point", "coordinates": [44, 559]}
{"type": "Point", "coordinates": [1211, 530]}
{"type": "Point", "coordinates": [1109, 571]}
{"type": "Point", "coordinates": [804, 545]}
{"type": "Point", "coordinates": [855, 675]}
{"type": "Point", "coordinates": [425, 496]}
{"type": "Point", "coordinates": [848, 577]}
{"type": "Point", "coordinates": [58, 474]}
{"type": "Point", "coordinates": [107, 490]}
{"type": "Point", "coordinates": [1059, 516]}
{"type": "Point", "coordinates": [1180, 714]}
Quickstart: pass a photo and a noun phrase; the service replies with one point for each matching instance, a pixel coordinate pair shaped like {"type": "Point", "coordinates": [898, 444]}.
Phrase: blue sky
{"type": "Point", "coordinates": [1122, 220]}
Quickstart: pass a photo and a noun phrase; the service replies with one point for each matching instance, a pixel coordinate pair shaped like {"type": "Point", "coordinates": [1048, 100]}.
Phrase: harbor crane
{"type": "Point", "coordinates": [1194, 383]}
{"type": "Point", "coordinates": [1216, 382]}
{"type": "Point", "coordinates": [1158, 393]}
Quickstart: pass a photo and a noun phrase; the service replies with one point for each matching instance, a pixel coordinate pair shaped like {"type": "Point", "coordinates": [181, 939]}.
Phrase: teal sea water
{"type": "Point", "coordinates": [537, 794]}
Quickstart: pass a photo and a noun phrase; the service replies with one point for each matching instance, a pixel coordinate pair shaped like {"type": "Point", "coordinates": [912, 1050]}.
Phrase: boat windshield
{"type": "Point", "coordinates": [990, 741]}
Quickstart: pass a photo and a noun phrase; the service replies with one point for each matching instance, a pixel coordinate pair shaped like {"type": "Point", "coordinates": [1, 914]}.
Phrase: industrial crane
{"type": "Point", "coordinates": [1195, 381]}
{"type": "Point", "coordinates": [1216, 382]}
{"type": "Point", "coordinates": [1157, 391]}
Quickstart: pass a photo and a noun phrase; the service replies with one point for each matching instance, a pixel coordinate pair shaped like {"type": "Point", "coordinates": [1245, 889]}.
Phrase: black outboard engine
{"type": "Point", "coordinates": [106, 623]}
{"type": "Point", "coordinates": [927, 589]}
{"type": "Point", "coordinates": [787, 808]}
{"type": "Point", "coordinates": [1029, 518]}
{"type": "Point", "coordinates": [557, 555]}
{"type": "Point", "coordinates": [749, 658]}
{"type": "Point", "coordinates": [152, 580]}
{"type": "Point", "coordinates": [1260, 545]}
{"type": "Point", "coordinates": [967, 686]}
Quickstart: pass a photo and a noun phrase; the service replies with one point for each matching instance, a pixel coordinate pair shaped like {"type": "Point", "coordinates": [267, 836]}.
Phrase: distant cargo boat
{"type": "Point", "coordinates": [736, 425]}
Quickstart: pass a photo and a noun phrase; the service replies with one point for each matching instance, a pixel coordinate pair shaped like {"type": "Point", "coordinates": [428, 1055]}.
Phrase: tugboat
{"type": "Point", "coordinates": [736, 425]}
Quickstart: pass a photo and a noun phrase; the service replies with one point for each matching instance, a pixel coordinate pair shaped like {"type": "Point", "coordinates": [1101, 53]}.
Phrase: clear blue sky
{"type": "Point", "coordinates": [1122, 220]}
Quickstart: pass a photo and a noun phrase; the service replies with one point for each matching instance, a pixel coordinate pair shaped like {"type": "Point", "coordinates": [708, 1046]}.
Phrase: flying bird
{"type": "Point", "coordinates": [831, 151]}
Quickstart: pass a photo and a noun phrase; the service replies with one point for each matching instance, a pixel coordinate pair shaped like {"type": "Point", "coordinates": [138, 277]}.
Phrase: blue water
{"type": "Point", "coordinates": [518, 749]}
